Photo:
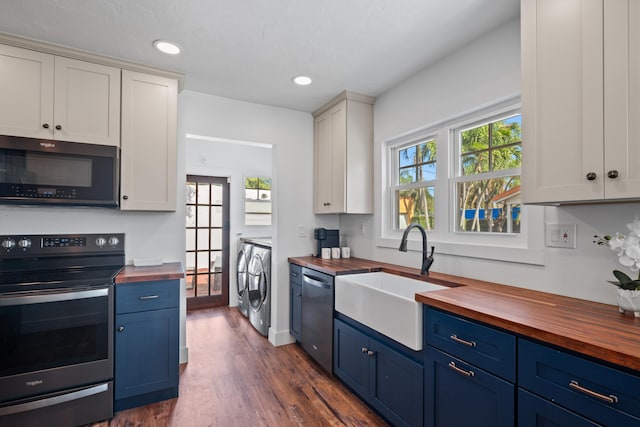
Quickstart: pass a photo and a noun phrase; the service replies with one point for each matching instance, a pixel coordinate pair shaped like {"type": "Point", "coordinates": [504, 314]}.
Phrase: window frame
{"type": "Point", "coordinates": [525, 247]}
{"type": "Point", "coordinates": [245, 199]}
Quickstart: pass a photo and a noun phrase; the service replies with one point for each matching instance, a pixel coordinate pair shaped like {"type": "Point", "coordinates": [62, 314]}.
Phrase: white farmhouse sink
{"type": "Point", "coordinates": [384, 302]}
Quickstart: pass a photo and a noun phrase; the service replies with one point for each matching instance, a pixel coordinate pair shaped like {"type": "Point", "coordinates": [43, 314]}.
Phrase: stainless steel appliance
{"type": "Point", "coordinates": [242, 276]}
{"type": "Point", "coordinates": [259, 284]}
{"type": "Point", "coordinates": [38, 171]}
{"type": "Point", "coordinates": [56, 328]}
{"type": "Point", "coordinates": [316, 328]}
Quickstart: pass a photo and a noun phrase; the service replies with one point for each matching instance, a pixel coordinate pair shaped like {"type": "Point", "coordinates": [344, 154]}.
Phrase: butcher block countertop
{"type": "Point", "coordinates": [590, 328]}
{"type": "Point", "coordinates": [166, 271]}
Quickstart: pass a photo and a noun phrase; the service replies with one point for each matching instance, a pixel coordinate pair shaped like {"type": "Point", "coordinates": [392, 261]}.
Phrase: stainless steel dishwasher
{"type": "Point", "coordinates": [316, 329]}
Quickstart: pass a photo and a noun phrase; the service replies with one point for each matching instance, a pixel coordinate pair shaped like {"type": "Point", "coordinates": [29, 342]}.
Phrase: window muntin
{"type": "Point", "coordinates": [487, 185]}
{"type": "Point", "coordinates": [415, 175]}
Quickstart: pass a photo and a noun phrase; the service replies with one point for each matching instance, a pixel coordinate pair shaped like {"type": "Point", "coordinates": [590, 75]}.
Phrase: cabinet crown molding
{"type": "Point", "coordinates": [352, 96]}
{"type": "Point", "coordinates": [68, 52]}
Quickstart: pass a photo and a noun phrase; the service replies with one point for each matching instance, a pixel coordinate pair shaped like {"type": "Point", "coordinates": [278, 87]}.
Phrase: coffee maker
{"type": "Point", "coordinates": [326, 239]}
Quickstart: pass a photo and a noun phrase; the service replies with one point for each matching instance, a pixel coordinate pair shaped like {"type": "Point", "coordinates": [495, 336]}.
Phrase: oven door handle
{"type": "Point", "coordinates": [55, 297]}
{"type": "Point", "coordinates": [56, 400]}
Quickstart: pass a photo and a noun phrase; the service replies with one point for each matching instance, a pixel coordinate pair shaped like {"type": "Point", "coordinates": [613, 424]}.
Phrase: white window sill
{"type": "Point", "coordinates": [492, 252]}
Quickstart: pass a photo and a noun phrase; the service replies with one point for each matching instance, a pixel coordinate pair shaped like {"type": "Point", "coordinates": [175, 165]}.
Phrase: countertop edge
{"type": "Point", "coordinates": [166, 271]}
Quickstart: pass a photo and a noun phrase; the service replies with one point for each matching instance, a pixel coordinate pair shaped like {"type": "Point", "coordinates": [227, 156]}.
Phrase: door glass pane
{"type": "Point", "coordinates": [191, 216]}
{"type": "Point", "coordinates": [203, 194]}
{"type": "Point", "coordinates": [191, 192]}
{"type": "Point", "coordinates": [191, 240]}
{"type": "Point", "coordinates": [203, 239]}
{"type": "Point", "coordinates": [216, 216]}
{"type": "Point", "coordinates": [203, 216]}
{"type": "Point", "coordinates": [216, 239]}
{"type": "Point", "coordinates": [216, 191]}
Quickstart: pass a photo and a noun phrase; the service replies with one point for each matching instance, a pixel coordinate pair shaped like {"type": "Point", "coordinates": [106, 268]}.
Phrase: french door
{"type": "Point", "coordinates": [207, 232]}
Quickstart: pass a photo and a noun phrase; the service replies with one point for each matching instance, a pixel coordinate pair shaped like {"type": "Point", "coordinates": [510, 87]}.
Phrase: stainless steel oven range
{"type": "Point", "coordinates": [56, 328]}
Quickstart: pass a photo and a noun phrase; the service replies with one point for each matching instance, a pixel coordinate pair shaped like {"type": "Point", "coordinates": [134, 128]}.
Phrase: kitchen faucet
{"type": "Point", "coordinates": [426, 260]}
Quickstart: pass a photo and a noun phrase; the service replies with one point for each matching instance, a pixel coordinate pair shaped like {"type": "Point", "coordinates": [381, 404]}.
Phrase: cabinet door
{"type": "Point", "coordinates": [296, 307]}
{"type": "Point", "coordinates": [622, 98]}
{"type": "Point", "coordinates": [146, 352]}
{"type": "Point", "coordinates": [397, 389]}
{"type": "Point", "coordinates": [87, 102]}
{"type": "Point", "coordinates": [459, 394]}
{"type": "Point", "coordinates": [26, 93]}
{"type": "Point", "coordinates": [536, 412]}
{"type": "Point", "coordinates": [562, 99]}
{"type": "Point", "coordinates": [148, 176]}
{"type": "Point", "coordinates": [350, 359]}
{"type": "Point", "coordinates": [330, 142]}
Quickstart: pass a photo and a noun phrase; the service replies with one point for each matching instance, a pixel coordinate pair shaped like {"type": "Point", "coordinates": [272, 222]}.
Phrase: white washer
{"type": "Point", "coordinates": [259, 288]}
{"type": "Point", "coordinates": [242, 276]}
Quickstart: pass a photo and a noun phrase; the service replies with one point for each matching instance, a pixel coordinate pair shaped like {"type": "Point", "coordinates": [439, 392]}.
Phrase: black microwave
{"type": "Point", "coordinates": [42, 171]}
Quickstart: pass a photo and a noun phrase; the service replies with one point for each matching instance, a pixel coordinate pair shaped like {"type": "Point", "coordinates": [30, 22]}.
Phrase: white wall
{"type": "Point", "coordinates": [234, 161]}
{"type": "Point", "coordinates": [480, 74]}
{"type": "Point", "coordinates": [291, 135]}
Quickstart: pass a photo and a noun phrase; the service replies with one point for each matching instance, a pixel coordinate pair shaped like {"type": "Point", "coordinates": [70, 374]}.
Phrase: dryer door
{"type": "Point", "coordinates": [257, 286]}
{"type": "Point", "coordinates": [243, 264]}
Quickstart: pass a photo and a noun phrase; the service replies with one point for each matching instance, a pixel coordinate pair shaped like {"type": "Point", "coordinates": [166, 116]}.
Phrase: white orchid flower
{"type": "Point", "coordinates": [634, 227]}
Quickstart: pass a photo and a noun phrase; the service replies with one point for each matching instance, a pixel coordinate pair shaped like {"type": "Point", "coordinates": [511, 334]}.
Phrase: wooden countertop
{"type": "Point", "coordinates": [167, 271]}
{"type": "Point", "coordinates": [590, 328]}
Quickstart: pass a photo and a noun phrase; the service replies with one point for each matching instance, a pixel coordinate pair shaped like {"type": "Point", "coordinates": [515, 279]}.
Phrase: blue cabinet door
{"type": "Point", "coordinates": [536, 412]}
{"type": "Point", "coordinates": [350, 358]}
{"type": "Point", "coordinates": [146, 352]}
{"type": "Point", "coordinates": [459, 394]}
{"type": "Point", "coordinates": [397, 388]}
{"type": "Point", "coordinates": [295, 310]}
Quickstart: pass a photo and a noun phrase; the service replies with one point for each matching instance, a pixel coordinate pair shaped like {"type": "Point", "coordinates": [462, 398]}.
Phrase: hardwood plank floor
{"type": "Point", "coordinates": [235, 377]}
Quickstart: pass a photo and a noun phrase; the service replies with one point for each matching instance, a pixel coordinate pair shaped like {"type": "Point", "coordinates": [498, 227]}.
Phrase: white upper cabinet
{"type": "Point", "coordinates": [50, 97]}
{"type": "Point", "coordinates": [343, 155]}
{"type": "Point", "coordinates": [149, 116]}
{"type": "Point", "coordinates": [580, 76]}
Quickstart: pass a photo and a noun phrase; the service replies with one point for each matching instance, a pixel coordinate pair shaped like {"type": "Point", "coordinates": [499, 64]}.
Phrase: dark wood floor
{"type": "Point", "coordinates": [235, 377]}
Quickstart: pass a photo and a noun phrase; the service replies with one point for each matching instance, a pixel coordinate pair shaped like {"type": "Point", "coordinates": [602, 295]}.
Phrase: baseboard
{"type": "Point", "coordinates": [280, 338]}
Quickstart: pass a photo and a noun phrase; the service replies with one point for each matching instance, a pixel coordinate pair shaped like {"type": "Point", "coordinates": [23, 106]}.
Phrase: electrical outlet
{"type": "Point", "coordinates": [561, 236]}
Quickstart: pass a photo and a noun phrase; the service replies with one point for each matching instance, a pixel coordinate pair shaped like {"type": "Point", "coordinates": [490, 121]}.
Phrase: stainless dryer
{"type": "Point", "coordinates": [242, 276]}
{"type": "Point", "coordinates": [259, 288]}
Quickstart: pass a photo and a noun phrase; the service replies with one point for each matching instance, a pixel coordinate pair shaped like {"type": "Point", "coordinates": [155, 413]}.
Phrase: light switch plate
{"type": "Point", "coordinates": [561, 236]}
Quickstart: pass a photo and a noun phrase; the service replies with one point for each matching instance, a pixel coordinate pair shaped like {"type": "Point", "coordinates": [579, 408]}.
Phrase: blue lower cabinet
{"type": "Point", "coordinates": [146, 343]}
{"type": "Point", "coordinates": [380, 374]}
{"type": "Point", "coordinates": [534, 411]}
{"type": "Point", "coordinates": [458, 394]}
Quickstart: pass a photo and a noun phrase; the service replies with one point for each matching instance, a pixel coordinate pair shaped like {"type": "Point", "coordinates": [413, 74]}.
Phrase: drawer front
{"type": "Point", "coordinates": [133, 297]}
{"type": "Point", "coordinates": [534, 411]}
{"type": "Point", "coordinates": [485, 347]}
{"type": "Point", "coordinates": [595, 391]}
{"type": "Point", "coordinates": [295, 274]}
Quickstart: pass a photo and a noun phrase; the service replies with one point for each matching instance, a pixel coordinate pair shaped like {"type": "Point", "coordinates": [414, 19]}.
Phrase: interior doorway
{"type": "Point", "coordinates": [207, 235]}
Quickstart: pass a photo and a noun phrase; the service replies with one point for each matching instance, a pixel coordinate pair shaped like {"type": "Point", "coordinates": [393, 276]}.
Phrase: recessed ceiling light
{"type": "Point", "coordinates": [302, 80]}
{"type": "Point", "coordinates": [167, 47]}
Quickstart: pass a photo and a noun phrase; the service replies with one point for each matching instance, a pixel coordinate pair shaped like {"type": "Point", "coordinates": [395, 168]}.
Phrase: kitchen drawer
{"type": "Point", "coordinates": [598, 392]}
{"type": "Point", "coordinates": [295, 274]}
{"type": "Point", "coordinates": [487, 348]}
{"type": "Point", "coordinates": [534, 411]}
{"type": "Point", "coordinates": [133, 297]}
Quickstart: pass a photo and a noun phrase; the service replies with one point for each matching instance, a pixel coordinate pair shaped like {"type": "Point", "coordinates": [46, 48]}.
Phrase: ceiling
{"type": "Point", "coordinates": [250, 49]}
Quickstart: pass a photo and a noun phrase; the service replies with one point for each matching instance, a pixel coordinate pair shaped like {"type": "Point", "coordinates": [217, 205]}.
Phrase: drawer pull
{"type": "Point", "coordinates": [576, 386]}
{"type": "Point", "coordinates": [148, 297]}
{"type": "Point", "coordinates": [461, 341]}
{"type": "Point", "coordinates": [453, 366]}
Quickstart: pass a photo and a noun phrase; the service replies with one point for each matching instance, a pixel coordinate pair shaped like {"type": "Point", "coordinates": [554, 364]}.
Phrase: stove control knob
{"type": "Point", "coordinates": [113, 241]}
{"type": "Point", "coordinates": [24, 243]}
{"type": "Point", "coordinates": [8, 244]}
{"type": "Point", "coordinates": [101, 241]}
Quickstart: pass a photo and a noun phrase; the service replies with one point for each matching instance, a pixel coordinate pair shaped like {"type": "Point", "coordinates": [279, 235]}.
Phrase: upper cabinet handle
{"type": "Point", "coordinates": [612, 174]}
{"type": "Point", "coordinates": [591, 176]}
{"type": "Point", "coordinates": [45, 125]}
{"type": "Point", "coordinates": [58, 127]}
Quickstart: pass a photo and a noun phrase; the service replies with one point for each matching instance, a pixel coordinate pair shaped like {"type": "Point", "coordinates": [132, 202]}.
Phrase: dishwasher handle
{"type": "Point", "coordinates": [314, 281]}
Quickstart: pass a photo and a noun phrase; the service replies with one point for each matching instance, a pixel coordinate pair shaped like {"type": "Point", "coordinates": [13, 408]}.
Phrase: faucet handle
{"type": "Point", "coordinates": [433, 248]}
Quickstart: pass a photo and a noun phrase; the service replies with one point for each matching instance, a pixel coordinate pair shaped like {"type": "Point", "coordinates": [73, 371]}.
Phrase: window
{"type": "Point", "coordinates": [257, 201]}
{"type": "Point", "coordinates": [414, 189]}
{"type": "Point", "coordinates": [487, 181]}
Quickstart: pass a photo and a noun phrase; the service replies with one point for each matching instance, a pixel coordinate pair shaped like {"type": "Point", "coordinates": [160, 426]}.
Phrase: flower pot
{"type": "Point", "coordinates": [629, 301]}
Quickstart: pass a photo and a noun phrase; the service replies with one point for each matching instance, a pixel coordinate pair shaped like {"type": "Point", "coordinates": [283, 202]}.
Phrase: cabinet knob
{"type": "Point", "coordinates": [120, 328]}
{"type": "Point", "coordinates": [612, 174]}
{"type": "Point", "coordinates": [370, 353]}
{"type": "Point", "coordinates": [58, 127]}
{"type": "Point", "coordinates": [591, 176]}
{"type": "Point", "coordinates": [364, 350]}
{"type": "Point", "coordinates": [45, 125]}
{"type": "Point", "coordinates": [125, 197]}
